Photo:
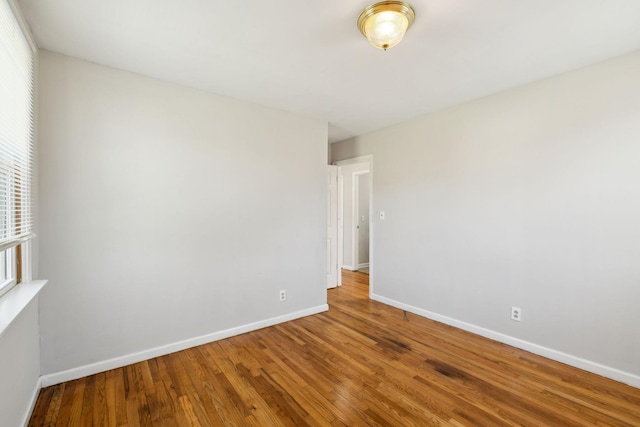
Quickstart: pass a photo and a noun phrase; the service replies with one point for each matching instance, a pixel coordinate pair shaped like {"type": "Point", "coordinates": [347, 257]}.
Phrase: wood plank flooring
{"type": "Point", "coordinates": [361, 363]}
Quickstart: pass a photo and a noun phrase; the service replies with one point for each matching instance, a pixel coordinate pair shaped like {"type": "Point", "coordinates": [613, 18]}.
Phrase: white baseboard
{"type": "Point", "coordinates": [32, 404]}
{"type": "Point", "coordinates": [118, 362]}
{"type": "Point", "coordinates": [348, 267]}
{"type": "Point", "coordinates": [363, 265]}
{"type": "Point", "coordinates": [577, 362]}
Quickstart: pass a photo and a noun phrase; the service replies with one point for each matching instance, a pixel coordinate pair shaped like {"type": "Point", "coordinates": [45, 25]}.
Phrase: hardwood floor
{"type": "Point", "coordinates": [360, 363]}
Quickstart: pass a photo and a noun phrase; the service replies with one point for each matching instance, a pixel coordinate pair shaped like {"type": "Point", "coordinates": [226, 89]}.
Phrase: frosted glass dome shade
{"type": "Point", "coordinates": [385, 30]}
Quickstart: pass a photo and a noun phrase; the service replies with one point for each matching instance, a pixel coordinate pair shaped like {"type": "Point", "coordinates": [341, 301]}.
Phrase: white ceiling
{"type": "Point", "coordinates": [308, 57]}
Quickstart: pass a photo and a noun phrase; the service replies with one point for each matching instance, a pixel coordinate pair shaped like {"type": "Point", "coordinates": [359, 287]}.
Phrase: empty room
{"type": "Point", "coordinates": [286, 213]}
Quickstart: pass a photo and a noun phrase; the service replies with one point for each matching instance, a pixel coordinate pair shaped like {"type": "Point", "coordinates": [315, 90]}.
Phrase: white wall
{"type": "Point", "coordinates": [19, 363]}
{"type": "Point", "coordinates": [527, 198]}
{"type": "Point", "coordinates": [347, 211]}
{"type": "Point", "coordinates": [169, 213]}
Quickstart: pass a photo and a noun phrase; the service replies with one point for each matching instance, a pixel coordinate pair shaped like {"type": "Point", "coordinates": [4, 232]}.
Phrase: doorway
{"type": "Point", "coordinates": [355, 207]}
{"type": "Point", "coordinates": [361, 217]}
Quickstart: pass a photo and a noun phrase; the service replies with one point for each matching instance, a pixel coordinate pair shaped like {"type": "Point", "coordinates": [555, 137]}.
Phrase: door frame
{"type": "Point", "coordinates": [355, 209]}
{"type": "Point", "coordinates": [372, 224]}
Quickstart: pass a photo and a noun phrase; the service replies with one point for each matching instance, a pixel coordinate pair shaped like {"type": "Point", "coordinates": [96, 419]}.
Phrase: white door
{"type": "Point", "coordinates": [340, 225]}
{"type": "Point", "coordinates": [332, 227]}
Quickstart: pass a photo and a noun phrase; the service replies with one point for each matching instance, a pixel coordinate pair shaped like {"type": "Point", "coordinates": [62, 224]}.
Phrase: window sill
{"type": "Point", "coordinates": [13, 302]}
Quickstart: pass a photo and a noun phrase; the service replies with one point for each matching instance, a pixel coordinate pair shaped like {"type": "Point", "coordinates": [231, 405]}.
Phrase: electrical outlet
{"type": "Point", "coordinates": [283, 295]}
{"type": "Point", "coordinates": [516, 314]}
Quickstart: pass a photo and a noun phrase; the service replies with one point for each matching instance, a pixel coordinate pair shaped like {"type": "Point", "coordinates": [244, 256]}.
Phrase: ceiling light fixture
{"type": "Point", "coordinates": [385, 23]}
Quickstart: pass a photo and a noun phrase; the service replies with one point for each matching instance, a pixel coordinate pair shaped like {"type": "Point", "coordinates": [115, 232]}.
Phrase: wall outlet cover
{"type": "Point", "coordinates": [516, 314]}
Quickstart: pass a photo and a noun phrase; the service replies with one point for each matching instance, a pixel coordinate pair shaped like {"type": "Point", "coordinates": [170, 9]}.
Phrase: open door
{"type": "Point", "coordinates": [332, 227]}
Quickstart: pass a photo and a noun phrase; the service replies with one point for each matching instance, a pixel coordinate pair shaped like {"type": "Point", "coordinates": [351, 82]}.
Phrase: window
{"type": "Point", "coordinates": [16, 148]}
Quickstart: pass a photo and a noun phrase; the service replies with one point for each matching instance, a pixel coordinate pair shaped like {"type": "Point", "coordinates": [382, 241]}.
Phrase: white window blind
{"type": "Point", "coordinates": [16, 131]}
